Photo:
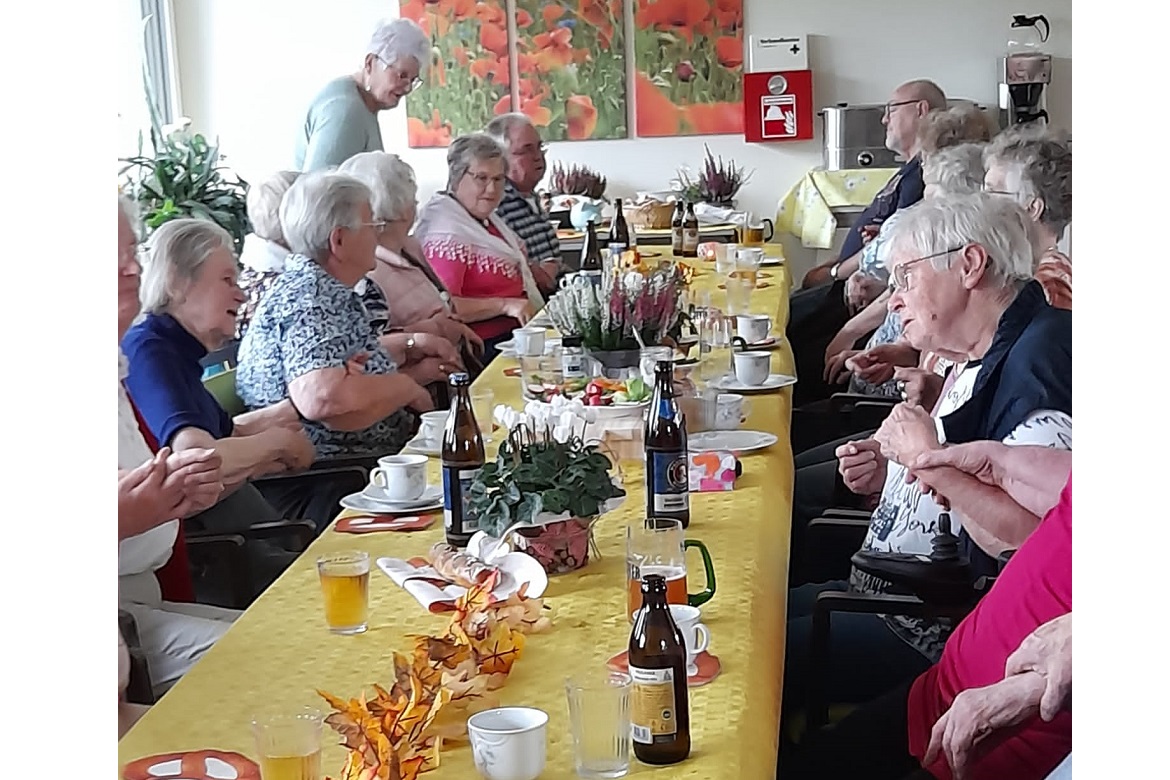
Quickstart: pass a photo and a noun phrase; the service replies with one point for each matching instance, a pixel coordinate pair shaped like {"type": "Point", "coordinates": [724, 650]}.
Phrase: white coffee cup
{"type": "Point", "coordinates": [753, 327]}
{"type": "Point", "coordinates": [729, 411]}
{"type": "Point", "coordinates": [752, 368]}
{"type": "Point", "coordinates": [509, 743]}
{"type": "Point", "coordinates": [431, 424]}
{"type": "Point", "coordinates": [529, 341]}
{"type": "Point", "coordinates": [695, 634]}
{"type": "Point", "coordinates": [402, 477]}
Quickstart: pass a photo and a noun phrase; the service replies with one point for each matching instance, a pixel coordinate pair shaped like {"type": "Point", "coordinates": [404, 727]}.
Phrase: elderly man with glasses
{"type": "Point", "coordinates": [520, 207]}
{"type": "Point", "coordinates": [818, 311]}
{"type": "Point", "coordinates": [342, 120]}
{"type": "Point", "coordinates": [962, 270]}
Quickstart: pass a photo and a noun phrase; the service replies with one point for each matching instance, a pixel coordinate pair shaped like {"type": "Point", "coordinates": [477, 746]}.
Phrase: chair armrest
{"type": "Point", "coordinates": [303, 531]}
{"type": "Point", "coordinates": [315, 471]}
{"type": "Point", "coordinates": [228, 549]}
{"type": "Point", "coordinates": [858, 516]}
{"type": "Point", "coordinates": [140, 689]}
{"type": "Point", "coordinates": [841, 401]}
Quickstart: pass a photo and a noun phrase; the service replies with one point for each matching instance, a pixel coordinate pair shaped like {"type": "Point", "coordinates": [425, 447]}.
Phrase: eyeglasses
{"type": "Point", "coordinates": [378, 226]}
{"type": "Point", "coordinates": [482, 180]}
{"type": "Point", "coordinates": [415, 82]}
{"type": "Point", "coordinates": [530, 150]}
{"type": "Point", "coordinates": [1005, 193]}
{"type": "Point", "coordinates": [900, 274]}
{"type": "Point", "coordinates": [889, 109]}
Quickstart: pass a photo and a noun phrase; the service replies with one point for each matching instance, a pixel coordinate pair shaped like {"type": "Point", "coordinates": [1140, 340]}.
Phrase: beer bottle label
{"type": "Point", "coordinates": [653, 710]}
{"type": "Point", "coordinates": [457, 515]}
{"type": "Point", "coordinates": [690, 239]}
{"type": "Point", "coordinates": [669, 481]}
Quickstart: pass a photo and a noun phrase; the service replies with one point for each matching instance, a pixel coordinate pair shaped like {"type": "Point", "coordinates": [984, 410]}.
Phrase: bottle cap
{"type": "Point", "coordinates": [664, 365]}
{"type": "Point", "coordinates": [570, 341]}
{"type": "Point", "coordinates": [459, 378]}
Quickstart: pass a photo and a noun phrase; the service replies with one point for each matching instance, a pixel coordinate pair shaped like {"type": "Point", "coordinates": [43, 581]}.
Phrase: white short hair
{"type": "Point", "coordinates": [264, 204]}
{"type": "Point", "coordinates": [393, 189]}
{"type": "Point", "coordinates": [995, 223]}
{"type": "Point", "coordinates": [470, 148]}
{"type": "Point", "coordinates": [394, 41]}
{"type": "Point", "coordinates": [502, 126]}
{"type": "Point", "coordinates": [317, 204]}
{"type": "Point", "coordinates": [175, 253]}
{"type": "Point", "coordinates": [955, 170]}
{"type": "Point", "coordinates": [129, 210]}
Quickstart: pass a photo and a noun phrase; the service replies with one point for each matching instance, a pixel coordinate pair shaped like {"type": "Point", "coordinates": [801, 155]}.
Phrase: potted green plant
{"type": "Point", "coordinates": [548, 492]}
{"type": "Point", "coordinates": [184, 177]}
{"type": "Point", "coordinates": [717, 183]}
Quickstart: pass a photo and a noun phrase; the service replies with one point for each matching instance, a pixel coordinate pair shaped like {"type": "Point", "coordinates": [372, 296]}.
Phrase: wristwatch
{"type": "Point", "coordinates": [834, 270]}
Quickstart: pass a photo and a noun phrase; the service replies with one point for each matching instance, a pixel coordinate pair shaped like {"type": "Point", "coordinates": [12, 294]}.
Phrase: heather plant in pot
{"type": "Point", "coordinates": [548, 493]}
{"type": "Point", "coordinates": [717, 183]}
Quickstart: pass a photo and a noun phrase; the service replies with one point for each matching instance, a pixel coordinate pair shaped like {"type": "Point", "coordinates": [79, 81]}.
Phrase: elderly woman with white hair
{"type": "Point", "coordinates": [403, 292]}
{"type": "Point", "coordinates": [190, 298]}
{"type": "Point", "coordinates": [963, 287]}
{"type": "Point", "coordinates": [311, 342]}
{"type": "Point", "coordinates": [479, 258]}
{"type": "Point", "coordinates": [1036, 172]}
{"type": "Point", "coordinates": [342, 120]}
{"type": "Point", "coordinates": [264, 249]}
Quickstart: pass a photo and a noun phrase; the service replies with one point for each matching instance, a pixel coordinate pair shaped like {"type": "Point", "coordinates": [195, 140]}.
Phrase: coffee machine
{"type": "Point", "coordinates": [1025, 72]}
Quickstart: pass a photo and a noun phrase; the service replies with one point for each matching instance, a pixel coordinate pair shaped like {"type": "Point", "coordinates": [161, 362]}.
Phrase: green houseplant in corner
{"type": "Point", "coordinates": [184, 178]}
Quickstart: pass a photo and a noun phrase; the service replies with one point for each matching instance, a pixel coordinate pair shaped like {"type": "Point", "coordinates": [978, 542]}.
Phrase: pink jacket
{"type": "Point", "coordinates": [410, 294]}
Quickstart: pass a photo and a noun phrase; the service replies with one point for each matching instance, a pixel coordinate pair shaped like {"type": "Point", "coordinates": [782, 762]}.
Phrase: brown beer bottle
{"type": "Point", "coordinates": [676, 229]}
{"type": "Point", "coordinates": [660, 717]}
{"type": "Point", "coordinates": [591, 252]}
{"type": "Point", "coordinates": [690, 233]}
{"type": "Point", "coordinates": [619, 231]}
{"type": "Point", "coordinates": [462, 459]}
{"type": "Point", "coordinates": [665, 435]}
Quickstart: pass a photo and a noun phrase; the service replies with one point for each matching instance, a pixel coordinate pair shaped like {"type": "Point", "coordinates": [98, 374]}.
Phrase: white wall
{"type": "Point", "coordinates": [247, 69]}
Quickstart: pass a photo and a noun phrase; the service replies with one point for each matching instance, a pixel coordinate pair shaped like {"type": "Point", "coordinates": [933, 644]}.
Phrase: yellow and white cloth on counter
{"type": "Point", "coordinates": [806, 211]}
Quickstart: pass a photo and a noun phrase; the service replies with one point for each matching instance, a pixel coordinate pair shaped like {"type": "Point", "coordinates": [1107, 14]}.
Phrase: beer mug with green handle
{"type": "Point", "coordinates": [657, 545]}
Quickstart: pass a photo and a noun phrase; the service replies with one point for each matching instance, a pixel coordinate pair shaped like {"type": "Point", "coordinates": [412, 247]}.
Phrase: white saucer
{"type": "Point", "coordinates": [424, 447]}
{"type": "Point", "coordinates": [773, 382]}
{"type": "Point", "coordinates": [360, 503]}
{"type": "Point", "coordinates": [377, 494]}
{"type": "Point", "coordinates": [772, 260]}
{"type": "Point", "coordinates": [736, 441]}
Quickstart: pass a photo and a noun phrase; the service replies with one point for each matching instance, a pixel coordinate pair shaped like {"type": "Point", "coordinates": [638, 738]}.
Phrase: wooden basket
{"type": "Point", "coordinates": [653, 215]}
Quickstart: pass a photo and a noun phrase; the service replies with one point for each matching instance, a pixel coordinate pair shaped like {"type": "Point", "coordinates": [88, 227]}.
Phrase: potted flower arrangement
{"type": "Point", "coordinates": [547, 490]}
{"type": "Point", "coordinates": [578, 190]}
{"type": "Point", "coordinates": [607, 315]}
{"type": "Point", "coordinates": [717, 183]}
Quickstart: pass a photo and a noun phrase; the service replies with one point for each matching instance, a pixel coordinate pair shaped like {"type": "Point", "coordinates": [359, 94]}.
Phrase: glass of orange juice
{"type": "Point", "coordinates": [289, 745]}
{"type": "Point", "coordinates": [345, 586]}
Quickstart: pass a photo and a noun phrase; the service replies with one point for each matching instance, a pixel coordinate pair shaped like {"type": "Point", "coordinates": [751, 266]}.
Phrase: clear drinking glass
{"type": "Point", "coordinates": [482, 403]}
{"type": "Point", "coordinates": [648, 361]}
{"type": "Point", "coordinates": [739, 295]}
{"type": "Point", "coordinates": [599, 717]}
{"type": "Point", "coordinates": [289, 745]}
{"type": "Point", "coordinates": [725, 255]}
{"type": "Point", "coordinates": [345, 587]}
{"type": "Point", "coordinates": [714, 346]}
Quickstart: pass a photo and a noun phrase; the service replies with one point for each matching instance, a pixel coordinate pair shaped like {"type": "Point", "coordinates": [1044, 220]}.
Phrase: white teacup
{"type": "Point", "coordinates": [529, 341]}
{"type": "Point", "coordinates": [752, 368]}
{"type": "Point", "coordinates": [403, 477]}
{"type": "Point", "coordinates": [431, 424]}
{"type": "Point", "coordinates": [729, 411]}
{"type": "Point", "coordinates": [753, 327]}
{"type": "Point", "coordinates": [508, 743]}
{"type": "Point", "coordinates": [695, 634]}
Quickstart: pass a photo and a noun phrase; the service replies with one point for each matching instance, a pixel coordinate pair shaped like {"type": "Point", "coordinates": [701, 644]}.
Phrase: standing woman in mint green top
{"type": "Point", "coordinates": [342, 120]}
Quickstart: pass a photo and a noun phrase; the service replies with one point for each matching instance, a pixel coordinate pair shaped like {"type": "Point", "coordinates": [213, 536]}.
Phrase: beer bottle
{"type": "Point", "coordinates": [667, 482]}
{"type": "Point", "coordinates": [619, 231]}
{"type": "Point", "coordinates": [690, 233]}
{"type": "Point", "coordinates": [462, 459]}
{"type": "Point", "coordinates": [676, 229]}
{"type": "Point", "coordinates": [660, 718]}
{"type": "Point", "coordinates": [591, 252]}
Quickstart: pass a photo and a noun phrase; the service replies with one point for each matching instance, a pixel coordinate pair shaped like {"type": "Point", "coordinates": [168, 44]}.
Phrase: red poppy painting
{"type": "Point", "coordinates": [572, 69]}
{"type": "Point", "coordinates": [468, 80]}
{"type": "Point", "coordinates": [688, 57]}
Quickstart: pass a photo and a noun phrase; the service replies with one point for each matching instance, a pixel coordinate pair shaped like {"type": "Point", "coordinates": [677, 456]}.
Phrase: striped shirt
{"type": "Point", "coordinates": [529, 222]}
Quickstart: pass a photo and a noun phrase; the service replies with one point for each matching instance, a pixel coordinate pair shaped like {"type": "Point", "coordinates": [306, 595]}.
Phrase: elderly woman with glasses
{"type": "Point", "coordinates": [1036, 172]}
{"type": "Point", "coordinates": [342, 120]}
{"type": "Point", "coordinates": [403, 292]}
{"type": "Point", "coordinates": [479, 258]}
{"type": "Point", "coordinates": [311, 342]}
{"type": "Point", "coordinates": [963, 288]}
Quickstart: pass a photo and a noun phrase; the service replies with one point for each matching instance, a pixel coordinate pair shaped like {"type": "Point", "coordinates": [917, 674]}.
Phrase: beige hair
{"type": "Point", "coordinates": [391, 182]}
{"type": "Point", "coordinates": [965, 123]}
{"type": "Point", "coordinates": [175, 253]}
{"type": "Point", "coordinates": [502, 126]}
{"type": "Point", "coordinates": [264, 205]}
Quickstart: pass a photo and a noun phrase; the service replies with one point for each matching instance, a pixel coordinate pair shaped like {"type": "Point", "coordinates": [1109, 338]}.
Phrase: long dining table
{"type": "Point", "coordinates": [279, 652]}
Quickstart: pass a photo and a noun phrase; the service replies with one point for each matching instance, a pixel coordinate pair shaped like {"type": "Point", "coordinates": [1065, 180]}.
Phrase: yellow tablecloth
{"type": "Point", "coordinates": [806, 210]}
{"type": "Point", "coordinates": [279, 651]}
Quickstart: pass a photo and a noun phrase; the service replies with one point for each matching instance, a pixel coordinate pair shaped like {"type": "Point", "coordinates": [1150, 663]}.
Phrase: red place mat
{"type": "Point", "coordinates": [368, 524]}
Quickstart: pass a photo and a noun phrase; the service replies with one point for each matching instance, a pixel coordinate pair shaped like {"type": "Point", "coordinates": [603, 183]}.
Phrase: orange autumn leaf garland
{"type": "Point", "coordinates": [399, 733]}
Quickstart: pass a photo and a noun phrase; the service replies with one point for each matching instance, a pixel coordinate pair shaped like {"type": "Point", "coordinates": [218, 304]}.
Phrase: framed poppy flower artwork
{"type": "Point", "coordinates": [688, 60]}
{"type": "Point", "coordinates": [571, 65]}
{"type": "Point", "coordinates": [468, 80]}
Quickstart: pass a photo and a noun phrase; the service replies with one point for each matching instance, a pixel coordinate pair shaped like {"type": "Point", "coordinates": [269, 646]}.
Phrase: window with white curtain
{"type": "Point", "coordinates": [145, 40]}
